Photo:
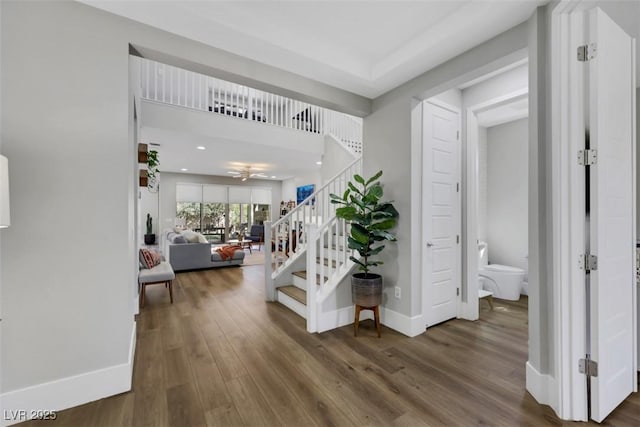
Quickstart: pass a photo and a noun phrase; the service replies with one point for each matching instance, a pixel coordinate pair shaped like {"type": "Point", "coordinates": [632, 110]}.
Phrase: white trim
{"type": "Point", "coordinates": [340, 317]}
{"type": "Point", "coordinates": [136, 302]}
{"type": "Point", "coordinates": [469, 309]}
{"type": "Point", "coordinates": [567, 193]}
{"type": "Point", "coordinates": [417, 124]}
{"type": "Point", "coordinates": [542, 387]}
{"type": "Point", "coordinates": [293, 305]}
{"type": "Point", "coordinates": [409, 326]}
{"type": "Point", "coordinates": [68, 392]}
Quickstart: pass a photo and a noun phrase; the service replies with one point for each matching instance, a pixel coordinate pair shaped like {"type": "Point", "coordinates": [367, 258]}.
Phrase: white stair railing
{"type": "Point", "coordinates": [290, 234]}
{"type": "Point", "coordinates": [176, 86]}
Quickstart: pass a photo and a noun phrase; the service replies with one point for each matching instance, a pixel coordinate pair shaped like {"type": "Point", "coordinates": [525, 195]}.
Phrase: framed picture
{"type": "Point", "coordinates": [303, 192]}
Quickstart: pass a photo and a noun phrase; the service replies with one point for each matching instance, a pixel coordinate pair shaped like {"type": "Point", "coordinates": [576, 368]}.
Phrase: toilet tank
{"type": "Point", "coordinates": [483, 253]}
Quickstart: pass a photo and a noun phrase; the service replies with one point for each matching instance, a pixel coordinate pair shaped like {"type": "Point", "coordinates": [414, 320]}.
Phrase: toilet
{"type": "Point", "coordinates": [504, 281]}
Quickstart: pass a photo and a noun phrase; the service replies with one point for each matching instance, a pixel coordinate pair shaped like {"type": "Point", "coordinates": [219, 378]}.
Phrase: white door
{"type": "Point", "coordinates": [441, 212]}
{"type": "Point", "coordinates": [611, 86]}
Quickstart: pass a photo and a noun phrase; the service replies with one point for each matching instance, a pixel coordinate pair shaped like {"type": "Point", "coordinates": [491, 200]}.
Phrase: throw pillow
{"type": "Point", "coordinates": [190, 236]}
{"type": "Point", "coordinates": [146, 258]}
{"type": "Point", "coordinates": [202, 239]}
{"type": "Point", "coordinates": [226, 252]}
{"type": "Point", "coordinates": [156, 257]}
{"type": "Point", "coordinates": [179, 239]}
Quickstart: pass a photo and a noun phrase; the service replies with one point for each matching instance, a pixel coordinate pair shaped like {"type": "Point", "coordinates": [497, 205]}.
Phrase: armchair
{"type": "Point", "coordinates": [256, 235]}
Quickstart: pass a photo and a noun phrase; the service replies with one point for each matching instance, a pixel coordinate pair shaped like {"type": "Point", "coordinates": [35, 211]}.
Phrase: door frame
{"type": "Point", "coordinates": [567, 137]}
{"type": "Point", "coordinates": [441, 104]}
{"type": "Point", "coordinates": [471, 308]}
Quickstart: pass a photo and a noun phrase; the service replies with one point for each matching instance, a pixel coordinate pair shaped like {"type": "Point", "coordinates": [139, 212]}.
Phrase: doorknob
{"type": "Point", "coordinates": [429, 244]}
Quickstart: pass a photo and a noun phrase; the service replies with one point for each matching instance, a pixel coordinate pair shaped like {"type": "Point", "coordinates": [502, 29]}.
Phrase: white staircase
{"type": "Point", "coordinates": [309, 257]}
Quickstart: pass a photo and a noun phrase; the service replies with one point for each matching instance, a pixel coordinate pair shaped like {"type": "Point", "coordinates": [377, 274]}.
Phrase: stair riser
{"type": "Point", "coordinates": [291, 304]}
{"type": "Point", "coordinates": [299, 282]}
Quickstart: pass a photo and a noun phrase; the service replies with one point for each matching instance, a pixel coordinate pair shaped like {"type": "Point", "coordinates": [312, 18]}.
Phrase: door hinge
{"type": "Point", "coordinates": [457, 238]}
{"type": "Point", "coordinates": [588, 367]}
{"type": "Point", "coordinates": [457, 187]}
{"type": "Point", "coordinates": [588, 262]}
{"type": "Point", "coordinates": [457, 292]}
{"type": "Point", "coordinates": [587, 52]}
{"type": "Point", "coordinates": [457, 135]}
{"type": "Point", "coordinates": [587, 157]}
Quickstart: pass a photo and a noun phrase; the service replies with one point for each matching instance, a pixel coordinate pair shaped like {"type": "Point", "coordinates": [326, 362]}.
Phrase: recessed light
{"type": "Point", "coordinates": [200, 147]}
{"type": "Point", "coordinates": [184, 169]}
{"type": "Point", "coordinates": [318, 162]}
{"type": "Point", "coordinates": [273, 176]}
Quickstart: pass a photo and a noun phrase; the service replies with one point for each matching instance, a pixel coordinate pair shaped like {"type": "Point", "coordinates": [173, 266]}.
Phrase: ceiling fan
{"type": "Point", "coordinates": [245, 173]}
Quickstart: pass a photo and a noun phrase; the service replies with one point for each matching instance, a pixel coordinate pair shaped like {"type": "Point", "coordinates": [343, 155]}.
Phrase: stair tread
{"type": "Point", "coordinates": [294, 292]}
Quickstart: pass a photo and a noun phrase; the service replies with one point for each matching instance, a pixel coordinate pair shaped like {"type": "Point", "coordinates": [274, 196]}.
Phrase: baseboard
{"type": "Point", "coordinates": [136, 305]}
{"type": "Point", "coordinates": [542, 387]}
{"type": "Point", "coordinates": [409, 326]}
{"type": "Point", "coordinates": [27, 403]}
{"type": "Point", "coordinates": [340, 317]}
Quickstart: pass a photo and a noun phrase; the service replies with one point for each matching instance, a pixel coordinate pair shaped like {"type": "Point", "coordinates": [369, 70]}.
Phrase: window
{"type": "Point", "coordinates": [222, 212]}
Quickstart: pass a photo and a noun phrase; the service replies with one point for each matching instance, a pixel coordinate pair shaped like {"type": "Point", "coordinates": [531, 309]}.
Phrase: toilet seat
{"type": "Point", "coordinates": [502, 268]}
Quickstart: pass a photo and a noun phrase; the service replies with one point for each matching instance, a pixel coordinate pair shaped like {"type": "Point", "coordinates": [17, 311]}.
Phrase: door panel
{"type": "Point", "coordinates": [611, 83]}
{"type": "Point", "coordinates": [441, 212]}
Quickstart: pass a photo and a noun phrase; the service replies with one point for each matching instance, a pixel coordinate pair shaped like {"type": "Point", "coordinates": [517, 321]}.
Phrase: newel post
{"type": "Point", "coordinates": [312, 272]}
{"type": "Point", "coordinates": [269, 290]}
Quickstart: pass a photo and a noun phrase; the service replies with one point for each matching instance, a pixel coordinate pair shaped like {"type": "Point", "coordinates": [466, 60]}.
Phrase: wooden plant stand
{"type": "Point", "coordinates": [376, 315]}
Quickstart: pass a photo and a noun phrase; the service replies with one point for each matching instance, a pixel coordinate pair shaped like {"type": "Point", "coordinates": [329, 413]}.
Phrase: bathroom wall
{"type": "Point", "coordinates": [507, 193]}
{"type": "Point", "coordinates": [482, 184]}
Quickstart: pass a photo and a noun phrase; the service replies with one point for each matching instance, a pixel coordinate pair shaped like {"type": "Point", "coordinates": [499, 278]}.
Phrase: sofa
{"type": "Point", "coordinates": [186, 252]}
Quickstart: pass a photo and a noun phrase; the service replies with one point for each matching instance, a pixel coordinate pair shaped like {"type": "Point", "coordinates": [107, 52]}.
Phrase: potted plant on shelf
{"type": "Point", "coordinates": [152, 170]}
{"type": "Point", "coordinates": [149, 238]}
{"type": "Point", "coordinates": [370, 220]}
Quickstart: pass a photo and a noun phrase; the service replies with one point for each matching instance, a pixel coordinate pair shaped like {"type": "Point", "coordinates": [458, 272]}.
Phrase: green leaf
{"type": "Point", "coordinates": [345, 196]}
{"type": "Point", "coordinates": [358, 179]}
{"type": "Point", "coordinates": [375, 190]}
{"type": "Point", "coordinates": [354, 188]}
{"type": "Point", "coordinates": [376, 251]}
{"type": "Point", "coordinates": [387, 224]}
{"type": "Point", "coordinates": [388, 208]}
{"type": "Point", "coordinates": [354, 244]}
{"type": "Point", "coordinates": [383, 235]}
{"type": "Point", "coordinates": [346, 212]}
{"type": "Point", "coordinates": [374, 177]}
{"type": "Point", "coordinates": [357, 261]}
{"type": "Point", "coordinates": [360, 233]}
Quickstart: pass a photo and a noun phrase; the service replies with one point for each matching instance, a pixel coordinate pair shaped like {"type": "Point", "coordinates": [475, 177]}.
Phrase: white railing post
{"type": "Point", "coordinates": [312, 271]}
{"type": "Point", "coordinates": [269, 289]}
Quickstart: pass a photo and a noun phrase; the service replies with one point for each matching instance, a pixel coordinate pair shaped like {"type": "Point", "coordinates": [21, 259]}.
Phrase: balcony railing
{"type": "Point", "coordinates": [168, 84]}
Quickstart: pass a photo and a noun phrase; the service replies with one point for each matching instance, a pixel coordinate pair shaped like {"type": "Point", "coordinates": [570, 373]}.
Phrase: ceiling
{"type": "Point", "coordinates": [365, 47]}
{"type": "Point", "coordinates": [178, 151]}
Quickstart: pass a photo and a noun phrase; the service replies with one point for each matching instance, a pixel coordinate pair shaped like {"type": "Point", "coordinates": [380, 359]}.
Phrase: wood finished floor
{"type": "Point", "coordinates": [222, 356]}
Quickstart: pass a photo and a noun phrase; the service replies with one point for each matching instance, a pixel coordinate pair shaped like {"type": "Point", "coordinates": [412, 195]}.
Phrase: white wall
{"type": "Point", "coordinates": [507, 193]}
{"type": "Point", "coordinates": [68, 258]}
{"type": "Point", "coordinates": [336, 157]}
{"type": "Point", "coordinates": [451, 97]}
{"type": "Point", "coordinates": [513, 80]}
{"type": "Point", "coordinates": [482, 184]}
{"type": "Point", "coordinates": [149, 204]}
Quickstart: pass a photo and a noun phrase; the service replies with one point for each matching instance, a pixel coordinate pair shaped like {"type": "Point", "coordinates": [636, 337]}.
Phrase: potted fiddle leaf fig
{"type": "Point", "coordinates": [370, 220]}
{"type": "Point", "coordinates": [149, 238]}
